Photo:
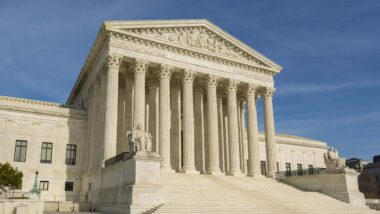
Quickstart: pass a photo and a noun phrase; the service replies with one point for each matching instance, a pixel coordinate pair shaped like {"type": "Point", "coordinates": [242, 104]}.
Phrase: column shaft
{"type": "Point", "coordinates": [129, 104]}
{"type": "Point", "coordinates": [165, 73]}
{"type": "Point", "coordinates": [199, 131]}
{"type": "Point", "coordinates": [176, 127]}
{"type": "Point", "coordinates": [141, 66]}
{"type": "Point", "coordinates": [188, 122]}
{"type": "Point", "coordinates": [233, 128]}
{"type": "Point", "coordinates": [212, 114]}
{"type": "Point", "coordinates": [94, 130]}
{"type": "Point", "coordinates": [154, 115]}
{"type": "Point", "coordinates": [253, 133]}
{"type": "Point", "coordinates": [221, 132]}
{"type": "Point", "coordinates": [110, 126]}
{"type": "Point", "coordinates": [271, 149]}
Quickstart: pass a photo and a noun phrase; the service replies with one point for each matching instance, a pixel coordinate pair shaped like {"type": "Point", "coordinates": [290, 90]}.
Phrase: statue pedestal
{"type": "Point", "coordinates": [131, 186]}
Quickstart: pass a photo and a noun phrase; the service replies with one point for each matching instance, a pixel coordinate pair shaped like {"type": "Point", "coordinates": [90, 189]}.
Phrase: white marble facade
{"type": "Point", "coordinates": [186, 82]}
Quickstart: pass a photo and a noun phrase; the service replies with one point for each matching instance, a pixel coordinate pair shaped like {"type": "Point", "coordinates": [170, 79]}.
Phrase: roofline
{"type": "Point", "coordinates": [170, 22]}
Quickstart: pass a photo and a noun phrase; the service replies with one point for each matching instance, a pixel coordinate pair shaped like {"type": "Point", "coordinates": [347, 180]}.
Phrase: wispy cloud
{"type": "Point", "coordinates": [292, 89]}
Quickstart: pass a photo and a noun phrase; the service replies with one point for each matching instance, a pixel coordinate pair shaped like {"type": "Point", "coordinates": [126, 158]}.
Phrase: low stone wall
{"type": "Point", "coordinates": [373, 203]}
{"type": "Point", "coordinates": [340, 184]}
{"type": "Point", "coordinates": [21, 206]}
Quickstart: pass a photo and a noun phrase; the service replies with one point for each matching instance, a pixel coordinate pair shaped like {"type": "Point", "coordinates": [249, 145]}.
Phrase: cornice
{"type": "Point", "coordinates": [295, 140]}
{"type": "Point", "coordinates": [41, 107]}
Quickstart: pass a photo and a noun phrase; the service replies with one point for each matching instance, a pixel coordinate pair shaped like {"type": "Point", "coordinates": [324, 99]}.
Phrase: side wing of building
{"type": "Point", "coordinates": [44, 137]}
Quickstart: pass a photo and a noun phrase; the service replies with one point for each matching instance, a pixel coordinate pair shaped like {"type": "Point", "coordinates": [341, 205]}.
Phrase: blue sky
{"type": "Point", "coordinates": [329, 50]}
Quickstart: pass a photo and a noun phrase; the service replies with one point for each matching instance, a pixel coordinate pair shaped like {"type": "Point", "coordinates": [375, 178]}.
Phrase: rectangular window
{"type": "Point", "coordinates": [69, 186]}
{"type": "Point", "coordinates": [44, 185]}
{"type": "Point", "coordinates": [263, 166]}
{"type": "Point", "coordinates": [311, 169]}
{"type": "Point", "coordinates": [71, 153]}
{"type": "Point", "coordinates": [299, 169]}
{"type": "Point", "coordinates": [288, 169]}
{"type": "Point", "coordinates": [20, 151]}
{"type": "Point", "coordinates": [46, 152]}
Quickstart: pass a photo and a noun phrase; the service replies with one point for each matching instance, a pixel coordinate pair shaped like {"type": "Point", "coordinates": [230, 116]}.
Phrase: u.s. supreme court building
{"type": "Point", "coordinates": [184, 90]}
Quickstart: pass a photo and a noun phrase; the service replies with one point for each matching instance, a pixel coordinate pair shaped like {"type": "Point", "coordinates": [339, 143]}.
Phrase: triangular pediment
{"type": "Point", "coordinates": [198, 35]}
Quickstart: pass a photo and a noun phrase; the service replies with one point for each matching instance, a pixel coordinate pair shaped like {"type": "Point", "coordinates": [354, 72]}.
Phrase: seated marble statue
{"type": "Point", "coordinates": [139, 140]}
{"type": "Point", "coordinates": [333, 161]}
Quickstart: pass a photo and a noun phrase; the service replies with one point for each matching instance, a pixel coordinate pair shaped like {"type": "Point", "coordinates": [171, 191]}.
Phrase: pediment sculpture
{"type": "Point", "coordinates": [139, 140]}
{"type": "Point", "coordinates": [197, 37]}
{"type": "Point", "coordinates": [333, 161]}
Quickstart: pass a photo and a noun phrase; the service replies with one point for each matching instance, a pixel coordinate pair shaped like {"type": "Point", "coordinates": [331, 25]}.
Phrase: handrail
{"type": "Point", "coordinates": [297, 173]}
{"type": "Point", "coordinates": [120, 157]}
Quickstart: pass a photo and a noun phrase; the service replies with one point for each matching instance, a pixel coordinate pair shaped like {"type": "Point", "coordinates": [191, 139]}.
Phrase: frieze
{"type": "Point", "coordinates": [134, 44]}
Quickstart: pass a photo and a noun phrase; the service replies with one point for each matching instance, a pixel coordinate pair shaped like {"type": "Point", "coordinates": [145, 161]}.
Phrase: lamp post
{"type": "Point", "coordinates": [36, 190]}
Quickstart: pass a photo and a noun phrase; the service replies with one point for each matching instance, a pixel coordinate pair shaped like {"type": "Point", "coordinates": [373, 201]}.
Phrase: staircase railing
{"type": "Point", "coordinates": [296, 173]}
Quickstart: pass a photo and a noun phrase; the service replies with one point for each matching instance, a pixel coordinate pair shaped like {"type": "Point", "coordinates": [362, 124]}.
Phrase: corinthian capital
{"type": "Point", "coordinates": [232, 85]}
{"type": "Point", "coordinates": [252, 89]}
{"type": "Point", "coordinates": [268, 92]}
{"type": "Point", "coordinates": [166, 70]}
{"type": "Point", "coordinates": [188, 76]}
{"type": "Point", "coordinates": [212, 81]}
{"type": "Point", "coordinates": [113, 61]}
{"type": "Point", "coordinates": [141, 66]}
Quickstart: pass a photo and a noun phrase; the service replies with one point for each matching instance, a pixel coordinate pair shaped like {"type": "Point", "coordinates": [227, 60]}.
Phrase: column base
{"type": "Point", "coordinates": [214, 172]}
{"type": "Point", "coordinates": [270, 175]}
{"type": "Point", "coordinates": [237, 173]}
{"type": "Point", "coordinates": [189, 170]}
{"type": "Point", "coordinates": [167, 169]}
{"type": "Point", "coordinates": [255, 174]}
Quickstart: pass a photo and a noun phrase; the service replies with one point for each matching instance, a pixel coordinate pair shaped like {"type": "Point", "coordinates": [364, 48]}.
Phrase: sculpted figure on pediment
{"type": "Point", "coordinates": [196, 37]}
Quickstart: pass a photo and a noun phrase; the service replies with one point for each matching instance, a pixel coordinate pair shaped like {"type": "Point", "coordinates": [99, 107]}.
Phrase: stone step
{"type": "Point", "coordinates": [226, 194]}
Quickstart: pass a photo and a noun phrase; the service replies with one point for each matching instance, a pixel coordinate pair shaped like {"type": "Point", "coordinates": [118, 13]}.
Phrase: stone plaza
{"type": "Point", "coordinates": [159, 106]}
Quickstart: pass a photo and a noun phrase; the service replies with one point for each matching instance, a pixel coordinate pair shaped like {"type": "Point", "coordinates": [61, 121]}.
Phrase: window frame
{"type": "Point", "coordinates": [21, 149]}
{"type": "Point", "coordinates": [72, 160]}
{"type": "Point", "coordinates": [72, 186]}
{"type": "Point", "coordinates": [47, 149]}
{"type": "Point", "coordinates": [44, 182]}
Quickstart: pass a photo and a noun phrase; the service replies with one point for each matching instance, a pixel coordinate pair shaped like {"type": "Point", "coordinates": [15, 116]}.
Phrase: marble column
{"type": "Point", "coordinates": [243, 148]}
{"type": "Point", "coordinates": [221, 132]}
{"type": "Point", "coordinates": [140, 68]}
{"type": "Point", "coordinates": [233, 128]}
{"type": "Point", "coordinates": [188, 122]}
{"type": "Point", "coordinates": [154, 114]}
{"type": "Point", "coordinates": [176, 125]}
{"type": "Point", "coordinates": [121, 133]}
{"type": "Point", "coordinates": [212, 123]}
{"type": "Point", "coordinates": [271, 149]}
{"type": "Point", "coordinates": [111, 101]}
{"type": "Point", "coordinates": [90, 119]}
{"type": "Point", "coordinates": [165, 73]}
{"type": "Point", "coordinates": [199, 130]}
{"type": "Point", "coordinates": [100, 121]}
{"type": "Point", "coordinates": [253, 133]}
{"type": "Point", "coordinates": [226, 143]}
{"type": "Point", "coordinates": [129, 103]}
{"type": "Point", "coordinates": [94, 123]}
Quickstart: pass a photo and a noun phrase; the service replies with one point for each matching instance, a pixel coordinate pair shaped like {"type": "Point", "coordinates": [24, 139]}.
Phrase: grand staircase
{"type": "Point", "coordinates": [194, 193]}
